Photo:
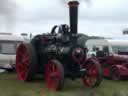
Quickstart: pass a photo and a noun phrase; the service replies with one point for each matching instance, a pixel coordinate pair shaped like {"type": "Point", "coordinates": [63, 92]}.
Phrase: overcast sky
{"type": "Point", "coordinates": [98, 17]}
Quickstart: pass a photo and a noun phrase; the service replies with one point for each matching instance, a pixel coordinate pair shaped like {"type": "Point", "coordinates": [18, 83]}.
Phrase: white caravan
{"type": "Point", "coordinates": [111, 46]}
{"type": "Point", "coordinates": [8, 46]}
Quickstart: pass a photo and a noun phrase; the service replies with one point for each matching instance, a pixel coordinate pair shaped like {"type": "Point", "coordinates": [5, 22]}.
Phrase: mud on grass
{"type": "Point", "coordinates": [10, 86]}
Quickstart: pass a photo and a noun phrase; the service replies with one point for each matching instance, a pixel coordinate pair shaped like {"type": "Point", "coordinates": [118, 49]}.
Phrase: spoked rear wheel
{"type": "Point", "coordinates": [93, 76]}
{"type": "Point", "coordinates": [25, 62]}
{"type": "Point", "coordinates": [54, 75]}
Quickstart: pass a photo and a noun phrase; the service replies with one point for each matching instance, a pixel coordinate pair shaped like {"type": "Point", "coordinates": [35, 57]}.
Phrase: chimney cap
{"type": "Point", "coordinates": [73, 3]}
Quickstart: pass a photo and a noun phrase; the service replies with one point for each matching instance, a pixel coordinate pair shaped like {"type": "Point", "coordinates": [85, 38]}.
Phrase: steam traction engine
{"type": "Point", "coordinates": [58, 55]}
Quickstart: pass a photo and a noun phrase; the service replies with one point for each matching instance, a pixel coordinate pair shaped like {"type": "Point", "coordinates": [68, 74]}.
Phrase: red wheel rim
{"type": "Point", "coordinates": [115, 74]}
{"type": "Point", "coordinates": [90, 78]}
{"type": "Point", "coordinates": [52, 75]}
{"type": "Point", "coordinates": [22, 62]}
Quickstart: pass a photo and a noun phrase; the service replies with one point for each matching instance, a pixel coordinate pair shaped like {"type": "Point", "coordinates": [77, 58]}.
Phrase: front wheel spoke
{"type": "Point", "coordinates": [92, 73]}
{"type": "Point", "coordinates": [90, 81]}
{"type": "Point", "coordinates": [53, 68]}
{"type": "Point", "coordinates": [93, 76]}
{"type": "Point", "coordinates": [86, 80]}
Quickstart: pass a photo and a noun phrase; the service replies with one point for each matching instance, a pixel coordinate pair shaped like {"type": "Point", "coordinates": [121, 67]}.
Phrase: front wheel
{"type": "Point", "coordinates": [93, 76]}
{"type": "Point", "coordinates": [54, 75]}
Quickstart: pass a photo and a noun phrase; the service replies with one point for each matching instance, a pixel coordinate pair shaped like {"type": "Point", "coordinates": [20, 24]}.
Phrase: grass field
{"type": "Point", "coordinates": [10, 86]}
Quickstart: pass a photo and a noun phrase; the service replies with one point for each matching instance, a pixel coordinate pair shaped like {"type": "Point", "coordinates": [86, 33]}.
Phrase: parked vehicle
{"type": "Point", "coordinates": [114, 60]}
{"type": "Point", "coordinates": [57, 56]}
{"type": "Point", "coordinates": [8, 46]}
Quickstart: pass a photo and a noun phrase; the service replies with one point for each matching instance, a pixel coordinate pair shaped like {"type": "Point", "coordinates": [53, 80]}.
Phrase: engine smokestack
{"type": "Point", "coordinates": [73, 14]}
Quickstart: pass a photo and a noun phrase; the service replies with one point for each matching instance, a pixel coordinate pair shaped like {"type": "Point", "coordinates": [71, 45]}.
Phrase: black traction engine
{"type": "Point", "coordinates": [58, 55]}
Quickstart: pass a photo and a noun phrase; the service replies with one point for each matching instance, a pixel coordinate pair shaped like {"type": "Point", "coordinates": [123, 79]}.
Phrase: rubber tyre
{"type": "Point", "coordinates": [30, 66]}
{"type": "Point", "coordinates": [50, 79]}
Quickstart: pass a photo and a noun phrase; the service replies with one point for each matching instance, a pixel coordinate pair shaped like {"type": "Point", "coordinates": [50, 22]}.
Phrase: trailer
{"type": "Point", "coordinates": [8, 46]}
{"type": "Point", "coordinates": [114, 60]}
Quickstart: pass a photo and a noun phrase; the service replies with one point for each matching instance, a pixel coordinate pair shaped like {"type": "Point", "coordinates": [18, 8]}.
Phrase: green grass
{"type": "Point", "coordinates": [10, 86]}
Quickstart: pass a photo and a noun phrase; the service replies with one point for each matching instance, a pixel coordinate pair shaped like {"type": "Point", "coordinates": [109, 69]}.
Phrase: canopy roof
{"type": "Point", "coordinates": [10, 37]}
{"type": "Point", "coordinates": [106, 42]}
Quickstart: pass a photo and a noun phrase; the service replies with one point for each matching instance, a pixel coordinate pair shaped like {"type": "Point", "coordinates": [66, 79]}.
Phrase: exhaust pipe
{"type": "Point", "coordinates": [73, 14]}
